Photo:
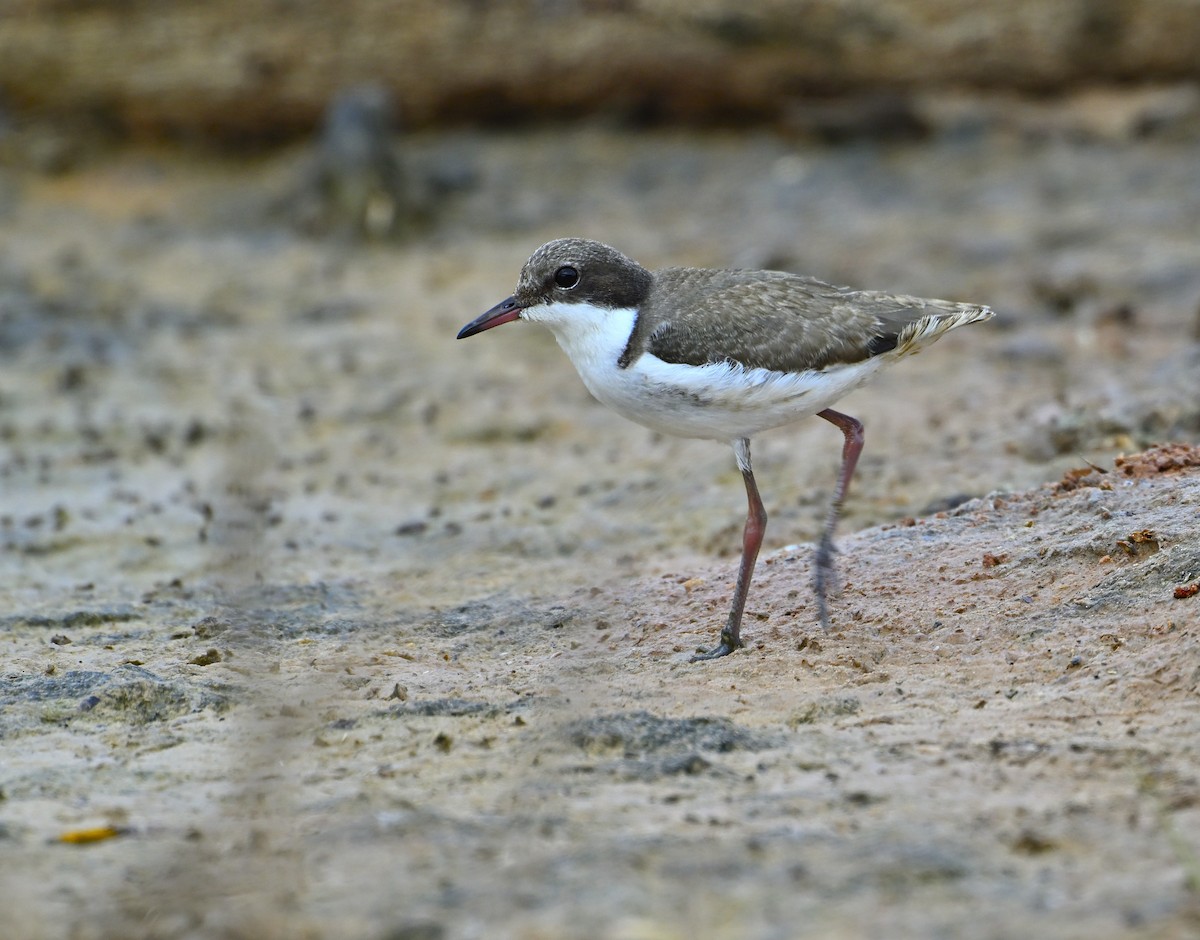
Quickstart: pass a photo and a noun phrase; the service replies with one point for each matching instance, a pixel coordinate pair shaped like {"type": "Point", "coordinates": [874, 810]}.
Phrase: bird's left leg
{"type": "Point", "coordinates": [853, 430]}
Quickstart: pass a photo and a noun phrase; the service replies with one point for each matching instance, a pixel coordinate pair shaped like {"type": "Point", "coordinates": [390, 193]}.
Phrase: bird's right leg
{"type": "Point", "coordinates": [752, 538]}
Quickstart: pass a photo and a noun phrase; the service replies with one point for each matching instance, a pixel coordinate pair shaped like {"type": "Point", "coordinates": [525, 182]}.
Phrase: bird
{"type": "Point", "coordinates": [723, 354]}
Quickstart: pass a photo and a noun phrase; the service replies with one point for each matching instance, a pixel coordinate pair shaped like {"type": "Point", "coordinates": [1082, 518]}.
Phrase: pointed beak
{"type": "Point", "coordinates": [504, 312]}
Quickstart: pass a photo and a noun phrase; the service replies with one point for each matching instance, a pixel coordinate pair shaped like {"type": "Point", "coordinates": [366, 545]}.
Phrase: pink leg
{"type": "Point", "coordinates": [752, 537]}
{"type": "Point", "coordinates": [853, 430]}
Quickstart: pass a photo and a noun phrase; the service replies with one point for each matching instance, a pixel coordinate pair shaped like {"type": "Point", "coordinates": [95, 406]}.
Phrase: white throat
{"type": "Point", "coordinates": [592, 337]}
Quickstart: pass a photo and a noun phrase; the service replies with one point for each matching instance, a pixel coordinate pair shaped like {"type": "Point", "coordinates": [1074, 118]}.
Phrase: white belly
{"type": "Point", "coordinates": [720, 401]}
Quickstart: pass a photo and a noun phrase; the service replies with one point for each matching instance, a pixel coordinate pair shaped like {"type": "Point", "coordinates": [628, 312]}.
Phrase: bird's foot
{"type": "Point", "coordinates": [824, 578]}
{"type": "Point", "coordinates": [729, 642]}
{"type": "Point", "coordinates": [822, 611]}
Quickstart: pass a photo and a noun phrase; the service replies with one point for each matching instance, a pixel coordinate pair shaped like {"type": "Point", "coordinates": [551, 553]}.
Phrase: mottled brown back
{"type": "Point", "coordinates": [772, 320]}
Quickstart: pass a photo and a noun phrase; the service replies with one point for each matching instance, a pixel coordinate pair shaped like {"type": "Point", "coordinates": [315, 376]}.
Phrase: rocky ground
{"type": "Point", "coordinates": [319, 623]}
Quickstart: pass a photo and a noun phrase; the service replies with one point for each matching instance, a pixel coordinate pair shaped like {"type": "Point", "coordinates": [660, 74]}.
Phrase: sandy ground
{"type": "Point", "coordinates": [318, 623]}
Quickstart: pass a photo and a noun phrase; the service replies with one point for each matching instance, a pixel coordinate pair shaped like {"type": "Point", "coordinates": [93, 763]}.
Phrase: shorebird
{"type": "Point", "coordinates": [723, 355]}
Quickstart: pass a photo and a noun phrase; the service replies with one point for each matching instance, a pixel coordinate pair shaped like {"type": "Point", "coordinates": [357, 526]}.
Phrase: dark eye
{"type": "Point", "coordinates": [566, 277]}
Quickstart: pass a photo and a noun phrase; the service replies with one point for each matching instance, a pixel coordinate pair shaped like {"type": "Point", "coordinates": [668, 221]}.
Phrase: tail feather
{"type": "Point", "coordinates": [925, 330]}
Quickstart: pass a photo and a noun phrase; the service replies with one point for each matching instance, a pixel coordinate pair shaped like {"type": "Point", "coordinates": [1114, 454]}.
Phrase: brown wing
{"type": "Point", "coordinates": [772, 320]}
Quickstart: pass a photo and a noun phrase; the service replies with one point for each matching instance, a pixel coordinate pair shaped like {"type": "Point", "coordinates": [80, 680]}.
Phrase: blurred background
{"type": "Point", "coordinates": [252, 228]}
{"type": "Point", "coordinates": [237, 238]}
